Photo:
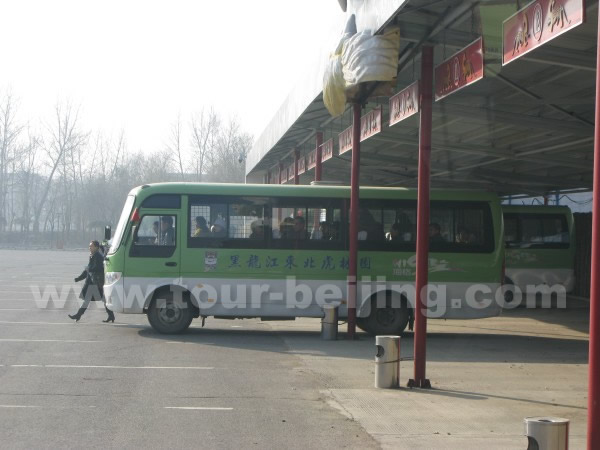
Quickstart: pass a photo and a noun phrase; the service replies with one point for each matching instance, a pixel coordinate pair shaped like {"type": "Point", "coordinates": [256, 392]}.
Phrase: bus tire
{"type": "Point", "coordinates": [509, 294]}
{"type": "Point", "coordinates": [388, 320]}
{"type": "Point", "coordinates": [169, 315]}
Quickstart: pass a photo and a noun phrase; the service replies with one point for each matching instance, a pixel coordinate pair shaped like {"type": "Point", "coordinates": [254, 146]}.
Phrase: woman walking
{"type": "Point", "coordinates": [93, 288]}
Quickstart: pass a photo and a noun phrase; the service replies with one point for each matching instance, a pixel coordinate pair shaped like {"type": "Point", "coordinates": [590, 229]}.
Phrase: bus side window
{"type": "Point", "coordinates": [208, 220]}
{"type": "Point", "coordinates": [156, 230]}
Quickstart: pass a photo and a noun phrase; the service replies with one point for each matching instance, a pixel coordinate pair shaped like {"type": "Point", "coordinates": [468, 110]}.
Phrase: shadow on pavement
{"type": "Point", "coordinates": [441, 347]}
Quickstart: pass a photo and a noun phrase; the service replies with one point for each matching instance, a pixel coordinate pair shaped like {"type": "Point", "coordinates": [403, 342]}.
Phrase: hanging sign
{"type": "Point", "coordinates": [327, 150]}
{"type": "Point", "coordinates": [345, 139]}
{"type": "Point", "coordinates": [370, 124]}
{"type": "Point", "coordinates": [283, 176]}
{"type": "Point", "coordinates": [301, 165]}
{"type": "Point", "coordinates": [311, 159]}
{"type": "Point", "coordinates": [538, 23]}
{"type": "Point", "coordinates": [404, 104]}
{"type": "Point", "coordinates": [290, 172]}
{"type": "Point", "coordinates": [460, 70]}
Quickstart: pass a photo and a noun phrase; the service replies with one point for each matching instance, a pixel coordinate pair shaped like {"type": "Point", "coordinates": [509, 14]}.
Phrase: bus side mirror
{"type": "Point", "coordinates": [107, 232]}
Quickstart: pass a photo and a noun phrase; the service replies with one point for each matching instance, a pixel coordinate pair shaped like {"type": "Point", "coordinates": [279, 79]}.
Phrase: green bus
{"type": "Point", "coordinates": [540, 246]}
{"type": "Point", "coordinates": [187, 250]}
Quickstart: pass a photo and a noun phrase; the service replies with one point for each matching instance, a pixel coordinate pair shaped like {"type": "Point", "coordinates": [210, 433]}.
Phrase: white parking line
{"type": "Point", "coordinates": [69, 366]}
{"type": "Point", "coordinates": [48, 340]}
{"type": "Point", "coordinates": [42, 323]}
{"type": "Point", "coordinates": [202, 408]}
{"type": "Point", "coordinates": [19, 406]}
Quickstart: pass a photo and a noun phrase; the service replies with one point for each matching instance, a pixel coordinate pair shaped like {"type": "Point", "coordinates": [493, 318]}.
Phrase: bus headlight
{"type": "Point", "coordinates": [111, 277]}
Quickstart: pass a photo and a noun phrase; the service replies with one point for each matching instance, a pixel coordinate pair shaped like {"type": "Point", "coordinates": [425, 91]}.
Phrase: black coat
{"type": "Point", "coordinates": [93, 288]}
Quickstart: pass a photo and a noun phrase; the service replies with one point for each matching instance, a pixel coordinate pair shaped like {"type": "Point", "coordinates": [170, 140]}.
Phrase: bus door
{"type": "Point", "coordinates": [154, 256]}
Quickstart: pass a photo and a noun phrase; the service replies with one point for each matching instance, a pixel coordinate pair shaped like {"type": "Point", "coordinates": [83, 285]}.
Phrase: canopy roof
{"type": "Point", "coordinates": [525, 128]}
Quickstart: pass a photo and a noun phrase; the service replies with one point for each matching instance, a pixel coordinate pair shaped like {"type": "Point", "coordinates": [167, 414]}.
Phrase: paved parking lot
{"type": "Point", "coordinates": [274, 384]}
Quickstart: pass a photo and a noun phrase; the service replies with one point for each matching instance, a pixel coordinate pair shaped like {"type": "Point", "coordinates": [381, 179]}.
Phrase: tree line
{"type": "Point", "coordinates": [60, 183]}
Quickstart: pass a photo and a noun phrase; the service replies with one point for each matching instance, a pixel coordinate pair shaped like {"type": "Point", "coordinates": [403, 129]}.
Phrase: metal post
{"type": "Point", "coordinates": [296, 158]}
{"type": "Point", "coordinates": [319, 154]}
{"type": "Point", "coordinates": [593, 430]}
{"type": "Point", "coordinates": [423, 219]}
{"type": "Point", "coordinates": [353, 257]}
{"type": "Point", "coordinates": [557, 199]}
{"type": "Point", "coordinates": [545, 200]}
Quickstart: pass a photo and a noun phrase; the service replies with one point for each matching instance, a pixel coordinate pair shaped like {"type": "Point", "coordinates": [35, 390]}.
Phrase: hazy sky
{"type": "Point", "coordinates": [137, 64]}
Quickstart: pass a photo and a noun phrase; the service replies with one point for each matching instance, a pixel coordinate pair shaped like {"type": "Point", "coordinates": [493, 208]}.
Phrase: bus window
{"type": "Point", "coordinates": [247, 221]}
{"type": "Point", "coordinates": [156, 230]}
{"type": "Point", "coordinates": [399, 224]}
{"type": "Point", "coordinates": [155, 237]}
{"type": "Point", "coordinates": [208, 220]}
{"type": "Point", "coordinates": [510, 229]}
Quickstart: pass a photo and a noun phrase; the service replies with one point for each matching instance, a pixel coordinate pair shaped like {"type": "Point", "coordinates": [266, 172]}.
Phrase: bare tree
{"type": "Point", "coordinates": [64, 138]}
{"type": "Point", "coordinates": [231, 149]}
{"type": "Point", "coordinates": [9, 134]}
{"type": "Point", "coordinates": [174, 146]}
{"type": "Point", "coordinates": [205, 128]}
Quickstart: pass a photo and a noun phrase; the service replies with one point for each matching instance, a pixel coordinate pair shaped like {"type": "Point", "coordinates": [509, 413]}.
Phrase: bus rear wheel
{"type": "Point", "coordinates": [391, 319]}
{"type": "Point", "coordinates": [169, 315]}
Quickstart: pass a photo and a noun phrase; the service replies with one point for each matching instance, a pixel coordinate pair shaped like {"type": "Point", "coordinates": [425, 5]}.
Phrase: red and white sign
{"type": "Point", "coordinates": [538, 23]}
{"type": "Point", "coordinates": [301, 165]}
{"type": "Point", "coordinates": [290, 172]}
{"type": "Point", "coordinates": [311, 160]}
{"type": "Point", "coordinates": [327, 150]}
{"type": "Point", "coordinates": [283, 176]}
{"type": "Point", "coordinates": [345, 138]}
{"type": "Point", "coordinates": [404, 104]}
{"type": "Point", "coordinates": [370, 124]}
{"type": "Point", "coordinates": [460, 70]}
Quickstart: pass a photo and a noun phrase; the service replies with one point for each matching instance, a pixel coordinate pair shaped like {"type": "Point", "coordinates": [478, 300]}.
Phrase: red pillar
{"type": "Point", "coordinates": [593, 420]}
{"type": "Point", "coordinates": [420, 338]}
{"type": "Point", "coordinates": [353, 257]}
{"type": "Point", "coordinates": [319, 154]}
{"type": "Point", "coordinates": [296, 158]}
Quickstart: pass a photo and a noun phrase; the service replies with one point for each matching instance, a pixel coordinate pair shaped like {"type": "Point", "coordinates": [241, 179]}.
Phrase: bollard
{"type": "Point", "coordinates": [387, 362]}
{"type": "Point", "coordinates": [329, 324]}
{"type": "Point", "coordinates": [547, 433]}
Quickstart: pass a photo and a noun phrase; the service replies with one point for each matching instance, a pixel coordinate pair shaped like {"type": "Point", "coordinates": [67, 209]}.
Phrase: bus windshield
{"type": "Point", "coordinates": [116, 241]}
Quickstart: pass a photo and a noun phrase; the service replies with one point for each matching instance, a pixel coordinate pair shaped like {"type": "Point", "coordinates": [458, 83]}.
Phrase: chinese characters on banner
{"type": "Point", "coordinates": [404, 104]}
{"type": "Point", "coordinates": [327, 150]}
{"type": "Point", "coordinates": [538, 23]}
{"type": "Point", "coordinates": [345, 140]}
{"type": "Point", "coordinates": [301, 165]}
{"type": "Point", "coordinates": [370, 124]}
{"type": "Point", "coordinates": [312, 159]}
{"type": "Point", "coordinates": [460, 70]}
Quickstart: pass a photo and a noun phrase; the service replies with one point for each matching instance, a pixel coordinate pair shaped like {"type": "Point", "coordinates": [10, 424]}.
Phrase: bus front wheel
{"type": "Point", "coordinates": [168, 314]}
{"type": "Point", "coordinates": [389, 319]}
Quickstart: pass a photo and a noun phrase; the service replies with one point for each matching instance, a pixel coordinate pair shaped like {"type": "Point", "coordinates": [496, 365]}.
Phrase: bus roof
{"type": "Point", "coordinates": [272, 190]}
{"type": "Point", "coordinates": [536, 209]}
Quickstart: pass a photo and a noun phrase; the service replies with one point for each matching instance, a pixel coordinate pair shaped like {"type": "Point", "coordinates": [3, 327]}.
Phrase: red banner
{"type": "Point", "coordinates": [312, 159]}
{"type": "Point", "coordinates": [460, 70]}
{"type": "Point", "coordinates": [345, 138]}
{"type": "Point", "coordinates": [370, 124]}
{"type": "Point", "coordinates": [290, 172]}
{"type": "Point", "coordinates": [301, 165]}
{"type": "Point", "coordinates": [538, 23]}
{"type": "Point", "coordinates": [404, 104]}
{"type": "Point", "coordinates": [327, 150]}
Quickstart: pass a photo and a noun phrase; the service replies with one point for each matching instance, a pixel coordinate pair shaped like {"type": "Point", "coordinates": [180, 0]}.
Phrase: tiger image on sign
{"type": "Point", "coordinates": [467, 68]}
{"type": "Point", "coordinates": [522, 35]}
{"type": "Point", "coordinates": [557, 15]}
